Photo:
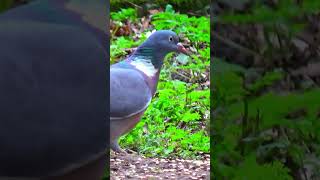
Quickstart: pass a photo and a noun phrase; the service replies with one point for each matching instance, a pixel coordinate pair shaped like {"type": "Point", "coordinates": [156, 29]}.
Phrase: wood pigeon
{"type": "Point", "coordinates": [133, 82]}
{"type": "Point", "coordinates": [53, 90]}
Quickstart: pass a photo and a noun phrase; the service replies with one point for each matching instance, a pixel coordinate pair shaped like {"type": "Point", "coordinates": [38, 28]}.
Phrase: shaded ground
{"type": "Point", "coordinates": [132, 166]}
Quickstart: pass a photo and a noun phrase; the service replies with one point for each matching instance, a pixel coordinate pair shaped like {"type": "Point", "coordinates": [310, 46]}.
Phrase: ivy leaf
{"type": "Point", "coordinates": [169, 9]}
{"type": "Point", "coordinates": [183, 59]}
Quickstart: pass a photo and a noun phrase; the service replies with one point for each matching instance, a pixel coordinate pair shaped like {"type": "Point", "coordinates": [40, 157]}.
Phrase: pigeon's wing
{"type": "Point", "coordinates": [129, 93]}
{"type": "Point", "coordinates": [52, 98]}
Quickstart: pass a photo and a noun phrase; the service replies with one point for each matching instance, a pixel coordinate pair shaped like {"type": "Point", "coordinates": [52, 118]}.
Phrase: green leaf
{"type": "Point", "coordinates": [169, 9]}
{"type": "Point", "coordinates": [183, 59]}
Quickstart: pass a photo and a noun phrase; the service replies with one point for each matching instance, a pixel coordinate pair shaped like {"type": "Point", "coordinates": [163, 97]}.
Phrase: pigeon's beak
{"type": "Point", "coordinates": [181, 49]}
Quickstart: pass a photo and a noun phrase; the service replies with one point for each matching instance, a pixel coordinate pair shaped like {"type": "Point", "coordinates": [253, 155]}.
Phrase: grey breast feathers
{"type": "Point", "coordinates": [129, 93]}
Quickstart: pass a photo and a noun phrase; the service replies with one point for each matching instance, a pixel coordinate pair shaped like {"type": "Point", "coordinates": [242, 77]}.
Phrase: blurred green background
{"type": "Point", "coordinates": [265, 89]}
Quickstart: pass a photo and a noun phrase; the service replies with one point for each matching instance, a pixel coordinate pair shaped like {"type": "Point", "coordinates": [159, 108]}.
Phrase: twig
{"type": "Point", "coordinates": [194, 14]}
{"type": "Point", "coordinates": [235, 45]}
{"type": "Point", "coordinates": [182, 75]}
{"type": "Point", "coordinates": [139, 7]}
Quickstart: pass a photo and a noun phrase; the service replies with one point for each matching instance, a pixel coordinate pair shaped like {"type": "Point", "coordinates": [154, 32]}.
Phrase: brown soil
{"type": "Point", "coordinates": [133, 166]}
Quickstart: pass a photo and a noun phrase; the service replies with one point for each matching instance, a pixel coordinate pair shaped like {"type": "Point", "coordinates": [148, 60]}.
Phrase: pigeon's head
{"type": "Point", "coordinates": [157, 46]}
{"type": "Point", "coordinates": [164, 42]}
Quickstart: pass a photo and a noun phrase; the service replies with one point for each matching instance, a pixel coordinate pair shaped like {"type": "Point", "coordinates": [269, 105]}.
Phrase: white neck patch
{"type": "Point", "coordinates": [145, 66]}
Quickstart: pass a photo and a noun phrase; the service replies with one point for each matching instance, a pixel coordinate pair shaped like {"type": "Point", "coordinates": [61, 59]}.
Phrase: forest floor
{"type": "Point", "coordinates": [133, 166]}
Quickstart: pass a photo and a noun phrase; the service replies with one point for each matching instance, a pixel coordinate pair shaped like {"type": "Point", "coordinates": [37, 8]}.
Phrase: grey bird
{"type": "Point", "coordinates": [133, 82]}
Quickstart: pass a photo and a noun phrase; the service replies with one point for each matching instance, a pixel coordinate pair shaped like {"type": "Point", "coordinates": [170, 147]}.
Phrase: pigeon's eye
{"type": "Point", "coordinates": [170, 38]}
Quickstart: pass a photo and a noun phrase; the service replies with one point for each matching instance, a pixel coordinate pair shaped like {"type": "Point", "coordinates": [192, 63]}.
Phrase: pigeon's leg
{"type": "Point", "coordinates": [121, 127]}
{"type": "Point", "coordinates": [116, 148]}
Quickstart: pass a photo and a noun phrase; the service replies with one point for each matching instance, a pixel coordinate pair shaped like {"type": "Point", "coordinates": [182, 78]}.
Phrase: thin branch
{"type": "Point", "coordinates": [235, 45]}
{"type": "Point", "coordinates": [136, 6]}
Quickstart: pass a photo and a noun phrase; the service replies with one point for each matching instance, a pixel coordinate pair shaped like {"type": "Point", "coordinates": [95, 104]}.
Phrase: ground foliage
{"type": "Point", "coordinates": [175, 123]}
{"type": "Point", "coordinates": [266, 94]}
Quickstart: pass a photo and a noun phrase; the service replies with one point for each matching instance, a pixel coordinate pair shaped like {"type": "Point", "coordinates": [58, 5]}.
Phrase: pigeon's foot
{"type": "Point", "coordinates": [116, 148]}
{"type": "Point", "coordinates": [132, 152]}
